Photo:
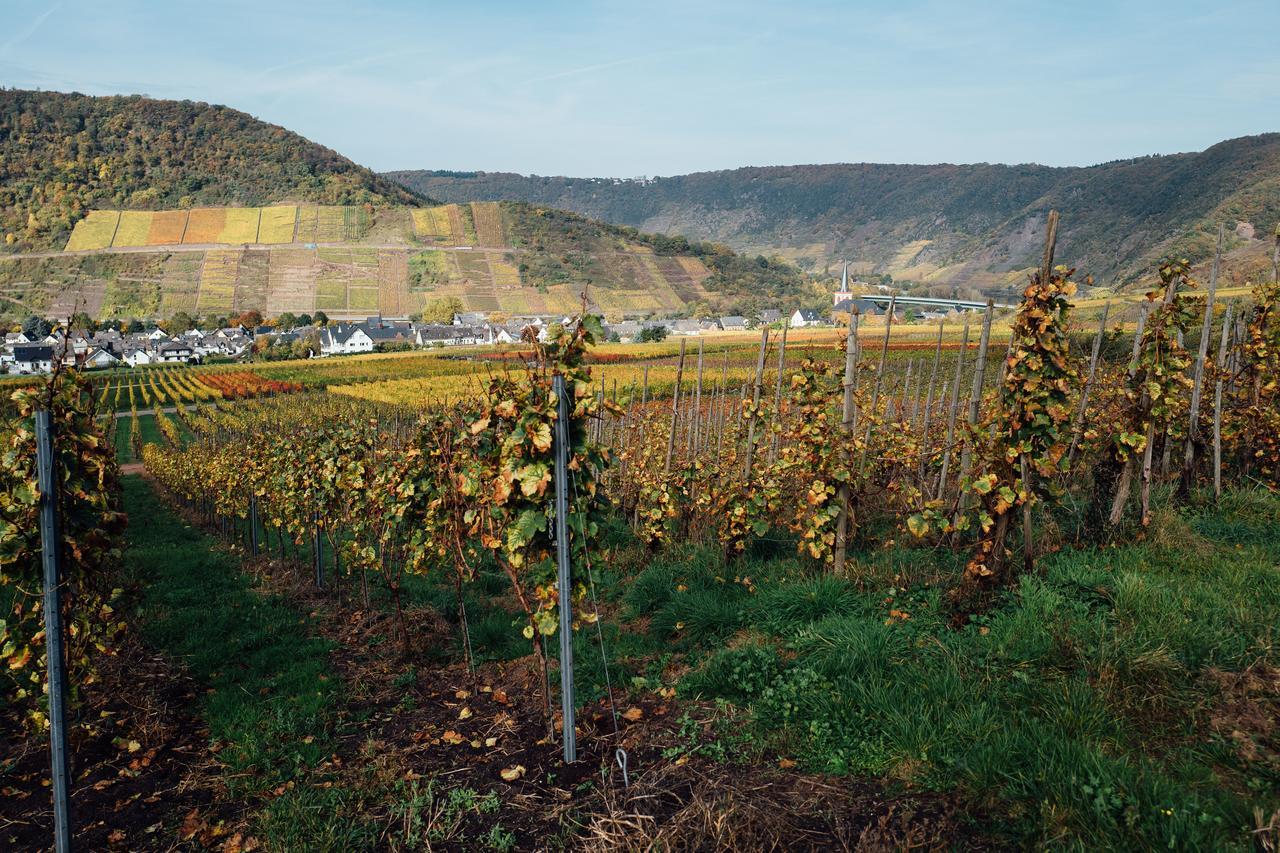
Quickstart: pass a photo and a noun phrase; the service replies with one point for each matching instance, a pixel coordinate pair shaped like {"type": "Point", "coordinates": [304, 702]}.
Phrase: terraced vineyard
{"type": "Point", "coordinates": [349, 261]}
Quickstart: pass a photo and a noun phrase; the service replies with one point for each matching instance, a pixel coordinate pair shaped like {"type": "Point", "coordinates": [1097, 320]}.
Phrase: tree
{"type": "Point", "coordinates": [652, 334]}
{"type": "Point", "coordinates": [287, 320]}
{"type": "Point", "coordinates": [179, 322]}
{"type": "Point", "coordinates": [82, 322]}
{"type": "Point", "coordinates": [36, 327]}
{"type": "Point", "coordinates": [133, 326]}
{"type": "Point", "coordinates": [304, 319]}
{"type": "Point", "coordinates": [321, 318]}
{"type": "Point", "coordinates": [440, 311]}
{"type": "Point", "coordinates": [250, 319]}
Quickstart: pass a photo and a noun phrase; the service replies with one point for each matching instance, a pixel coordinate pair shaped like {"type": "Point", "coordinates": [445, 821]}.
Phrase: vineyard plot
{"type": "Point", "coordinates": [134, 228]}
{"type": "Point", "coordinates": [277, 224]}
{"type": "Point", "coordinates": [292, 281]}
{"type": "Point", "coordinates": [180, 283]}
{"type": "Point", "coordinates": [95, 231]}
{"type": "Point", "coordinates": [218, 281]}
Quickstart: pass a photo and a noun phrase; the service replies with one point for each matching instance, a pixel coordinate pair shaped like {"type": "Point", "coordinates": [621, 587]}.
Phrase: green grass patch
{"type": "Point", "coordinates": [271, 697]}
{"type": "Point", "coordinates": [1077, 708]}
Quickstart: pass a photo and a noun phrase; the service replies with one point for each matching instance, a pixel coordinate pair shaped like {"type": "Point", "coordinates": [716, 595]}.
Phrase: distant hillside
{"type": "Point", "coordinates": [64, 154]}
{"type": "Point", "coordinates": [947, 225]}
{"type": "Point", "coordinates": [357, 260]}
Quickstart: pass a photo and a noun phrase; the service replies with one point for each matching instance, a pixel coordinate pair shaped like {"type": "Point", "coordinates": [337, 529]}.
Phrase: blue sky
{"type": "Point", "coordinates": [652, 87]}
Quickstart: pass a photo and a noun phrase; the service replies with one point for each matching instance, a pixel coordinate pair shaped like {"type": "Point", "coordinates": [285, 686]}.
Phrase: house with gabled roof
{"type": "Point", "coordinates": [99, 357]}
{"type": "Point", "coordinates": [32, 358]}
{"type": "Point", "coordinates": [344, 339]}
{"type": "Point", "coordinates": [807, 317]}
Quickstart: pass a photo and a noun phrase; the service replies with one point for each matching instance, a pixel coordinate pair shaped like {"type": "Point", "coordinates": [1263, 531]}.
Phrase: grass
{"type": "Point", "coordinates": [270, 700]}
{"type": "Point", "coordinates": [270, 695]}
{"type": "Point", "coordinates": [1082, 709]}
{"type": "Point", "coordinates": [1077, 709]}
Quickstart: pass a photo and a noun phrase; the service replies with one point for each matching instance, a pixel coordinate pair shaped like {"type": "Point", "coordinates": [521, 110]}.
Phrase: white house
{"type": "Point", "coordinates": [33, 358]}
{"type": "Point", "coordinates": [139, 357]}
{"type": "Point", "coordinates": [806, 317]}
{"type": "Point", "coordinates": [176, 352]}
{"type": "Point", "coordinates": [343, 339]}
{"type": "Point", "coordinates": [99, 357]}
{"type": "Point", "coordinates": [157, 335]}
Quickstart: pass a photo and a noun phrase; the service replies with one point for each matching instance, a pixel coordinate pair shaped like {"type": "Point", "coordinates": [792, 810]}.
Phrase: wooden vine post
{"type": "Point", "coordinates": [1077, 427]}
{"type": "Point", "coordinates": [1217, 401]}
{"type": "Point", "coordinates": [753, 413]}
{"type": "Point", "coordinates": [1194, 443]}
{"type": "Point", "coordinates": [1028, 481]}
{"type": "Point", "coordinates": [1140, 371]}
{"type": "Point", "coordinates": [846, 456]}
{"type": "Point", "coordinates": [975, 393]}
{"type": "Point", "coordinates": [675, 411]}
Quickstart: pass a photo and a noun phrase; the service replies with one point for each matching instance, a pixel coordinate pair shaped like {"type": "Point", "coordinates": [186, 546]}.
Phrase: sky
{"type": "Point", "coordinates": [652, 87]}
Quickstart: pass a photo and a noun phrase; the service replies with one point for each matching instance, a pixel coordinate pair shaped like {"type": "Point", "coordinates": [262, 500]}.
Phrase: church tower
{"type": "Point", "coordinates": [843, 293]}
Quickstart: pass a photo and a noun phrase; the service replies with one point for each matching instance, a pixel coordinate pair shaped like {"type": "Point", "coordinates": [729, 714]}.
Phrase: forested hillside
{"type": "Point", "coordinates": [939, 223]}
{"type": "Point", "coordinates": [62, 155]}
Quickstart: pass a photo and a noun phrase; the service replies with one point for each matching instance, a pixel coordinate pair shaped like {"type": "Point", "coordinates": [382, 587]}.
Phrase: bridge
{"type": "Point", "coordinates": [928, 302]}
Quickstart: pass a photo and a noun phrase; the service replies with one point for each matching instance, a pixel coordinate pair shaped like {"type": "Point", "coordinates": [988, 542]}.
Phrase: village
{"type": "Point", "coordinates": [41, 344]}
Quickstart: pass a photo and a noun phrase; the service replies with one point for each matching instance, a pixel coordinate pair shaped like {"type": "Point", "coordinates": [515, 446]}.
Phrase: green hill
{"type": "Point", "coordinates": [62, 155]}
{"type": "Point", "coordinates": [940, 224]}
{"type": "Point", "coordinates": [129, 206]}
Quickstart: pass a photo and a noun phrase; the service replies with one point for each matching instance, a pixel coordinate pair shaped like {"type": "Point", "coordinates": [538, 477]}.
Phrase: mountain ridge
{"type": "Point", "coordinates": [945, 224]}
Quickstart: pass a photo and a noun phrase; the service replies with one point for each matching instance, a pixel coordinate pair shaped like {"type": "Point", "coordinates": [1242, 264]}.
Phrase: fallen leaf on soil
{"type": "Point", "coordinates": [464, 714]}
{"type": "Point", "coordinates": [462, 694]}
{"type": "Point", "coordinates": [786, 763]}
{"type": "Point", "coordinates": [191, 824]}
{"type": "Point", "coordinates": [632, 714]}
{"type": "Point", "coordinates": [452, 737]}
{"type": "Point", "coordinates": [511, 774]}
{"type": "Point", "coordinates": [491, 741]}
{"type": "Point", "coordinates": [500, 696]}
{"type": "Point", "coordinates": [116, 836]}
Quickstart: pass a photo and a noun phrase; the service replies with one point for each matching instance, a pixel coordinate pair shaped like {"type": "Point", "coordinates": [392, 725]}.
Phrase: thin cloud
{"type": "Point", "coordinates": [26, 33]}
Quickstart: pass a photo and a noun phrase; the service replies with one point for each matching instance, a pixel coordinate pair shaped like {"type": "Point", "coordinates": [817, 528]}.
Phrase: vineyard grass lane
{"type": "Point", "coordinates": [271, 693]}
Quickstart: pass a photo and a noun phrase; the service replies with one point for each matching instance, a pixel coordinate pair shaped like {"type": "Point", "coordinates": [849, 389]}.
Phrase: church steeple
{"type": "Point", "coordinates": [844, 278]}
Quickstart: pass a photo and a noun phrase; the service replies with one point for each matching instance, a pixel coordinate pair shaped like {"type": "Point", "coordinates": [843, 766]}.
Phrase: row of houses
{"type": "Point", "coordinates": [112, 348]}
{"type": "Point", "coordinates": [471, 329]}
{"type": "Point", "coordinates": [108, 348]}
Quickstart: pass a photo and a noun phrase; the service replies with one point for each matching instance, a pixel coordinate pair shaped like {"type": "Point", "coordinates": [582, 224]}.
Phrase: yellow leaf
{"type": "Point", "coordinates": [511, 774]}
{"type": "Point", "coordinates": [632, 714]}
